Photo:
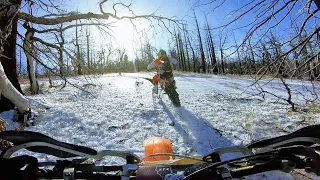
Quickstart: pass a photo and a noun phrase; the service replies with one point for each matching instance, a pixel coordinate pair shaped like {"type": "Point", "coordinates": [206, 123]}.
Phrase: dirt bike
{"type": "Point", "coordinates": [169, 87]}
{"type": "Point", "coordinates": [284, 153]}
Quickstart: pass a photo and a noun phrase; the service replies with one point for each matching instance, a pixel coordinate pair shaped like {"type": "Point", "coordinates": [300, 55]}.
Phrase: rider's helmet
{"type": "Point", "coordinates": [162, 54]}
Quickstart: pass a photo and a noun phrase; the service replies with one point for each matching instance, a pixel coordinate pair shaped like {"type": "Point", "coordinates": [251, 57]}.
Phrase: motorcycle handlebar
{"type": "Point", "coordinates": [152, 172]}
{"type": "Point", "coordinates": [284, 159]}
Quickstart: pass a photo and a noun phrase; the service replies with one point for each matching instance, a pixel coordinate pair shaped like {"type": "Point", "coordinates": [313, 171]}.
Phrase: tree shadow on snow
{"type": "Point", "coordinates": [166, 110]}
{"type": "Point", "coordinates": [196, 131]}
{"type": "Point", "coordinates": [60, 125]}
{"type": "Point", "coordinates": [205, 135]}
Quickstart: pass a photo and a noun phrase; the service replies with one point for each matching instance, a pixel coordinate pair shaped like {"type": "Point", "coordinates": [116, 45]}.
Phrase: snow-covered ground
{"type": "Point", "coordinates": [119, 112]}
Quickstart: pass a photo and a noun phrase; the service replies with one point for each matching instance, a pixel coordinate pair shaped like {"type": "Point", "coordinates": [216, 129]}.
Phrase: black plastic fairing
{"type": "Point", "coordinates": [306, 132]}
{"type": "Point", "coordinates": [22, 137]}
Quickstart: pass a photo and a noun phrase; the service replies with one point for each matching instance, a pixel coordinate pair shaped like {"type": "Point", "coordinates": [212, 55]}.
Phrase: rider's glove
{"type": "Point", "coordinates": [11, 168]}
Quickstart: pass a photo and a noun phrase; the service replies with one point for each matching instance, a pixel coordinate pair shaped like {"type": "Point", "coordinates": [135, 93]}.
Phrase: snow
{"type": "Point", "coordinates": [118, 112]}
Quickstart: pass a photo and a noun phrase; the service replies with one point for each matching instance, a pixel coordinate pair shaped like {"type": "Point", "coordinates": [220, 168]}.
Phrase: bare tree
{"type": "Point", "coordinates": [52, 19]}
{"type": "Point", "coordinates": [88, 48]}
{"type": "Point", "coordinates": [181, 52]}
{"type": "Point", "coordinates": [271, 14]}
{"type": "Point", "coordinates": [8, 26]}
{"type": "Point", "coordinates": [28, 47]}
{"type": "Point", "coordinates": [193, 54]}
{"type": "Point", "coordinates": [253, 68]}
{"type": "Point", "coordinates": [238, 55]}
{"type": "Point", "coordinates": [264, 52]}
{"type": "Point", "coordinates": [222, 42]}
{"type": "Point", "coordinates": [203, 60]}
{"type": "Point", "coordinates": [178, 48]}
{"type": "Point", "coordinates": [211, 49]}
{"type": "Point", "coordinates": [61, 41]}
{"type": "Point", "coordinates": [186, 46]}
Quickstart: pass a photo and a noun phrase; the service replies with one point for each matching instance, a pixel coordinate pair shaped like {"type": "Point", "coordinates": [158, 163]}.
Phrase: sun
{"type": "Point", "coordinates": [123, 35]}
{"type": "Point", "coordinates": [127, 34]}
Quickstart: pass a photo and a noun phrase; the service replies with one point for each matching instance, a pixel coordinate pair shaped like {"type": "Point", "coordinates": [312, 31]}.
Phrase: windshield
{"type": "Point", "coordinates": [202, 74]}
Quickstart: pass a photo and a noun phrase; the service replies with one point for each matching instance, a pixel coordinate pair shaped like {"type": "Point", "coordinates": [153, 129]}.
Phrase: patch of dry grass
{"type": "Point", "coordinates": [312, 108]}
{"type": "Point", "coordinates": [2, 125]}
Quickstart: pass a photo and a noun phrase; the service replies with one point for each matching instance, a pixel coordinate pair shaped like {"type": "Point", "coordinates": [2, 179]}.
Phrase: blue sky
{"type": "Point", "coordinates": [125, 35]}
{"type": "Point", "coordinates": [127, 38]}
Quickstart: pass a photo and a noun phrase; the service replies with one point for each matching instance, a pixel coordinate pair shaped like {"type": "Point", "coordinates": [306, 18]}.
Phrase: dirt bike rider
{"type": "Point", "coordinates": [164, 66]}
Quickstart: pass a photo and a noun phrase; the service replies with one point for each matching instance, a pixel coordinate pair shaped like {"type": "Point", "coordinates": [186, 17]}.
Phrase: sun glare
{"type": "Point", "coordinates": [123, 31]}
{"type": "Point", "coordinates": [126, 35]}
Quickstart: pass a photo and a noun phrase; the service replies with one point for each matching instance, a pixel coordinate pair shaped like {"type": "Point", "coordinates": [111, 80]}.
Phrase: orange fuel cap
{"type": "Point", "coordinates": [156, 145]}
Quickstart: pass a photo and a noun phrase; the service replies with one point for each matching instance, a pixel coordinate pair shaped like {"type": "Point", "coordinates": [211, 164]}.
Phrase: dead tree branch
{"type": "Point", "coordinates": [59, 20]}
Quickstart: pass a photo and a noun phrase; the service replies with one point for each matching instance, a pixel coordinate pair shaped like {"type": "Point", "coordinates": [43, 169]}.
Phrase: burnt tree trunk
{"type": "Point", "coordinates": [29, 52]}
{"type": "Point", "coordinates": [222, 61]}
{"type": "Point", "coordinates": [211, 50]}
{"type": "Point", "coordinates": [317, 2]}
{"type": "Point", "coordinates": [8, 61]}
{"type": "Point", "coordinates": [203, 61]}
{"type": "Point", "coordinates": [186, 47]}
